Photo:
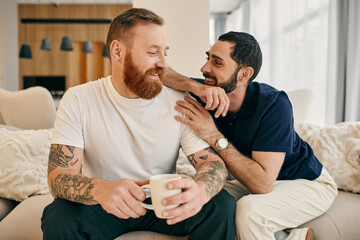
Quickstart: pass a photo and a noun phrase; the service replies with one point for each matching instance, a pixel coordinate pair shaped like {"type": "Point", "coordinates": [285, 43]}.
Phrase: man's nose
{"type": "Point", "coordinates": [162, 62]}
{"type": "Point", "coordinates": [205, 68]}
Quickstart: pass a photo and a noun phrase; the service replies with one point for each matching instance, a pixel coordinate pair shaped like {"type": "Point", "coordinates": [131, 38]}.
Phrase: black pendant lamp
{"type": "Point", "coordinates": [46, 44]}
{"type": "Point", "coordinates": [105, 53]}
{"type": "Point", "coordinates": [66, 44]}
{"type": "Point", "coordinates": [25, 51]}
{"type": "Point", "coordinates": [87, 47]}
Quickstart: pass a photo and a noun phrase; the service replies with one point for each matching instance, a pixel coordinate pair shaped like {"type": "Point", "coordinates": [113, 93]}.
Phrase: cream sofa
{"type": "Point", "coordinates": [337, 147]}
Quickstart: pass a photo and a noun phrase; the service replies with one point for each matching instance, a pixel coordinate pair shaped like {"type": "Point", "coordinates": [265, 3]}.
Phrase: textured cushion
{"type": "Point", "coordinates": [23, 163]}
{"type": "Point", "coordinates": [338, 149]}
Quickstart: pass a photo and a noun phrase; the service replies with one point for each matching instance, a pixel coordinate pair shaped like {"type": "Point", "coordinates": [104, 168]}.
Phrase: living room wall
{"type": "Point", "coordinates": [9, 65]}
{"type": "Point", "coordinates": [76, 66]}
{"type": "Point", "coordinates": [187, 30]}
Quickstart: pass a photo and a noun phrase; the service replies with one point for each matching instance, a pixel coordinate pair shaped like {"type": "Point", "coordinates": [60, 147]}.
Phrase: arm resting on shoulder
{"type": "Point", "coordinates": [179, 82]}
{"type": "Point", "coordinates": [214, 97]}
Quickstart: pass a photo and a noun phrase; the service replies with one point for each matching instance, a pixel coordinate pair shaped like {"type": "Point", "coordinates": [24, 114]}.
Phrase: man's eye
{"type": "Point", "coordinates": [152, 53]}
{"type": "Point", "coordinates": [218, 63]}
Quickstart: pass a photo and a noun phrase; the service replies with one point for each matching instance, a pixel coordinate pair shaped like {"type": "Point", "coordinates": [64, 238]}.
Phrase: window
{"type": "Point", "coordinates": [293, 36]}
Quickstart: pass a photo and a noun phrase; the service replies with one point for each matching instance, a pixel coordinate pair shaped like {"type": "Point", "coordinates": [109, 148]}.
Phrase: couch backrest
{"type": "Point", "coordinates": [32, 108]}
{"type": "Point", "coordinates": [300, 100]}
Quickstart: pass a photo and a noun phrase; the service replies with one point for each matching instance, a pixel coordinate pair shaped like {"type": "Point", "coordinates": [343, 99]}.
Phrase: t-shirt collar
{"type": "Point", "coordinates": [130, 102]}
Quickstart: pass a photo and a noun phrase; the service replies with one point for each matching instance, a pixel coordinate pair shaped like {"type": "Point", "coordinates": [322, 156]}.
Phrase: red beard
{"type": "Point", "coordinates": [139, 83]}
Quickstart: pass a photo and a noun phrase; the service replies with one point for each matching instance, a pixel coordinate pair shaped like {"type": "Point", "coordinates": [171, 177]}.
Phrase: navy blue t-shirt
{"type": "Point", "coordinates": [265, 123]}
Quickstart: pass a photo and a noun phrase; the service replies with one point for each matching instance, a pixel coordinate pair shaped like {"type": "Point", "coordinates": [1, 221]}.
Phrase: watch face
{"type": "Point", "coordinates": [223, 142]}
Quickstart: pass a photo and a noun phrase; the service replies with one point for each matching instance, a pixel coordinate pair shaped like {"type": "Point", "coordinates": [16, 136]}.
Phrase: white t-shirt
{"type": "Point", "coordinates": [122, 137]}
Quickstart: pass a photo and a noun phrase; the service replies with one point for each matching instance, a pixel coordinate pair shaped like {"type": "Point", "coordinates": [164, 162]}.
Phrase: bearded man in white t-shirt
{"type": "Point", "coordinates": [114, 133]}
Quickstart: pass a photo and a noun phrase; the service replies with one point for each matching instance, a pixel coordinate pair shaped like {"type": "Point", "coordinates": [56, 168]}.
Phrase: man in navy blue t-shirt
{"type": "Point", "coordinates": [278, 181]}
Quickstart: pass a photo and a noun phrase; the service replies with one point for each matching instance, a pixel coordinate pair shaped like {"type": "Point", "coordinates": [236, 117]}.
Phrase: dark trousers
{"type": "Point", "coordinates": [68, 220]}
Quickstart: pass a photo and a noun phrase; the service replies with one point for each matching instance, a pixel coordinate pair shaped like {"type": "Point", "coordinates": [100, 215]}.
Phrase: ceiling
{"type": "Point", "coordinates": [216, 6]}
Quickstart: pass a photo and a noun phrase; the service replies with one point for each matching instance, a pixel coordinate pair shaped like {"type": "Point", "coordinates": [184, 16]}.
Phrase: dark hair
{"type": "Point", "coordinates": [121, 25]}
{"type": "Point", "coordinates": [246, 52]}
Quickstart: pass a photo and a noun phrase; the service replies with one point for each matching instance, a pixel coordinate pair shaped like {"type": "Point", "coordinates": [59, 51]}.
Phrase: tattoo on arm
{"type": "Point", "coordinates": [210, 150]}
{"type": "Point", "coordinates": [203, 157]}
{"type": "Point", "coordinates": [76, 188]}
{"type": "Point", "coordinates": [59, 158]}
{"type": "Point", "coordinates": [213, 174]}
{"type": "Point", "coordinates": [192, 159]}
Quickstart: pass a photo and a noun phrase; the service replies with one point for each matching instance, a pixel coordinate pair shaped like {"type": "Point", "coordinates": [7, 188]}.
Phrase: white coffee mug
{"type": "Point", "coordinates": [159, 190]}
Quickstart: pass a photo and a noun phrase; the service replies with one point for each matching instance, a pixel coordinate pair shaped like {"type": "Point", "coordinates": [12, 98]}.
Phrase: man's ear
{"type": "Point", "coordinates": [115, 51]}
{"type": "Point", "coordinates": [245, 74]}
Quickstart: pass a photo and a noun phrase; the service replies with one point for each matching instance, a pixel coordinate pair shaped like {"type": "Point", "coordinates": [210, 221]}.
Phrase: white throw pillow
{"type": "Point", "coordinates": [338, 149]}
{"type": "Point", "coordinates": [23, 162]}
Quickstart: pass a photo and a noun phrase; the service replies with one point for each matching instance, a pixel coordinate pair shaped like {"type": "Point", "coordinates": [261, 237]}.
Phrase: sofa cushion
{"type": "Point", "coordinates": [338, 148]}
{"type": "Point", "coordinates": [23, 163]}
{"type": "Point", "coordinates": [27, 217]}
{"type": "Point", "coordinates": [9, 127]}
{"type": "Point", "coordinates": [341, 221]}
{"type": "Point", "coordinates": [24, 222]}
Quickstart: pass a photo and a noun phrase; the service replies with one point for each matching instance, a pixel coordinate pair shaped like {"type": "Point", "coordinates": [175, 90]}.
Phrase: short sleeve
{"type": "Point", "coordinates": [68, 124]}
{"type": "Point", "coordinates": [189, 141]}
{"type": "Point", "coordinates": [275, 129]}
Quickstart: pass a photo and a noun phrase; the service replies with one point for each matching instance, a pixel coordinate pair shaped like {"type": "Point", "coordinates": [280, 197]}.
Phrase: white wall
{"type": "Point", "coordinates": [187, 29]}
{"type": "Point", "coordinates": [9, 55]}
{"type": "Point", "coordinates": [1, 47]}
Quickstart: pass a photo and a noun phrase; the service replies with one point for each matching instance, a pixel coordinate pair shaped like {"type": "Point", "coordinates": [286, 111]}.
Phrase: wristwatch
{"type": "Point", "coordinates": [221, 144]}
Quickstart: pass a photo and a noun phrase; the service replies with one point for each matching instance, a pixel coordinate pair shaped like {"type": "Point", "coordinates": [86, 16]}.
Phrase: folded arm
{"type": "Point", "coordinates": [258, 173]}
{"type": "Point", "coordinates": [214, 97]}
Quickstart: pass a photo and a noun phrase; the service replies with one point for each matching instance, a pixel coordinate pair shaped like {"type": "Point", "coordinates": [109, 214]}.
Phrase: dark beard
{"type": "Point", "coordinates": [229, 85]}
{"type": "Point", "coordinates": [139, 83]}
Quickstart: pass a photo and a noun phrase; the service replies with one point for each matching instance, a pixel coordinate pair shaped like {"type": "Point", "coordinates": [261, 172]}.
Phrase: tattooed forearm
{"type": "Point", "coordinates": [60, 156]}
{"type": "Point", "coordinates": [213, 174]}
{"type": "Point", "coordinates": [202, 157]}
{"type": "Point", "coordinates": [76, 188]}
